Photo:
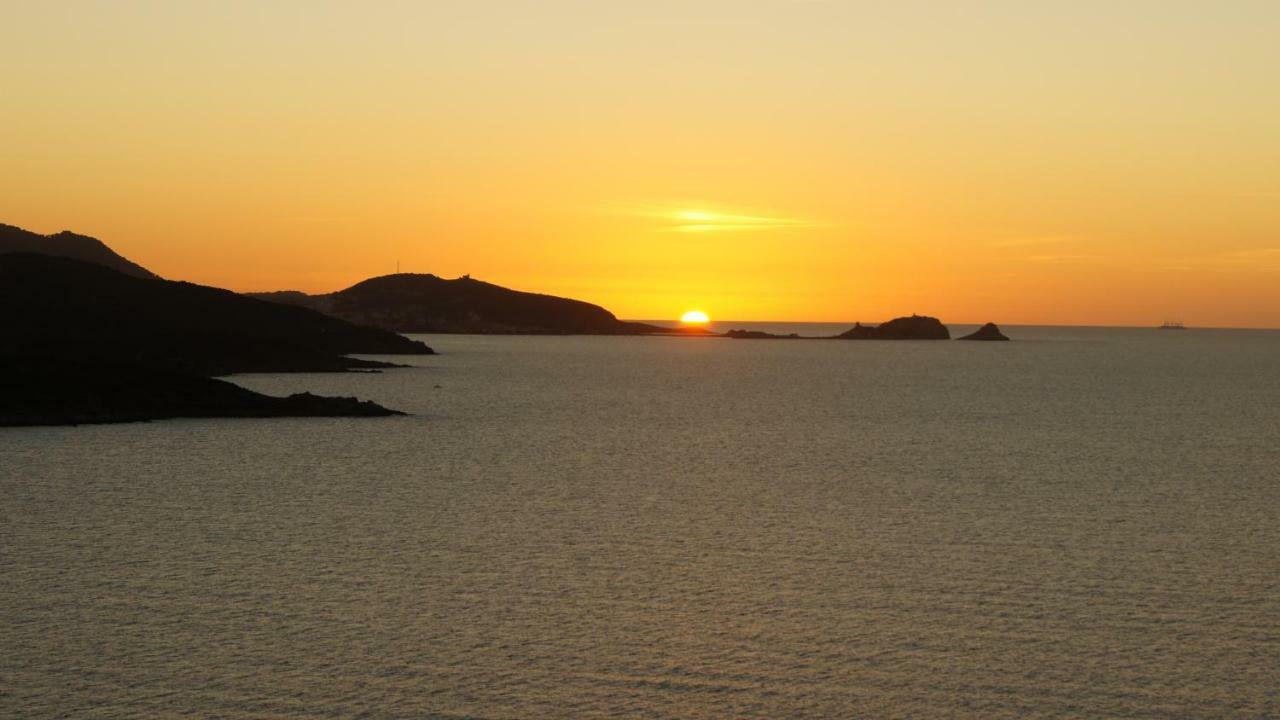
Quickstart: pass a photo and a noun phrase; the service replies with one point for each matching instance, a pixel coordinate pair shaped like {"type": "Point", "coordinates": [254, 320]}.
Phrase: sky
{"type": "Point", "coordinates": [1104, 163]}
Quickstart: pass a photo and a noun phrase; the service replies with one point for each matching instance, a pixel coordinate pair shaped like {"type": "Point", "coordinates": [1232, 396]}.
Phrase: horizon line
{"type": "Point", "coordinates": [850, 323]}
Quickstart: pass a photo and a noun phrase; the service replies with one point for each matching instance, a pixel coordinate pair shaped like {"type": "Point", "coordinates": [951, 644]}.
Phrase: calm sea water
{"type": "Point", "coordinates": [1081, 523]}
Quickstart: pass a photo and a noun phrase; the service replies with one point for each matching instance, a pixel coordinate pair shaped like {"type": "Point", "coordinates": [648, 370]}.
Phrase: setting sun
{"type": "Point", "coordinates": [695, 317]}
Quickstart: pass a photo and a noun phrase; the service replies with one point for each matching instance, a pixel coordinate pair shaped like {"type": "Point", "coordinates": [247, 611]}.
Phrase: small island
{"type": "Point", "coordinates": [913, 327]}
{"type": "Point", "coordinates": [759, 335]}
{"type": "Point", "coordinates": [988, 332]}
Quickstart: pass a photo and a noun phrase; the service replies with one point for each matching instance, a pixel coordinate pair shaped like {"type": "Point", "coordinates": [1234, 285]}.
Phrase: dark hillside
{"type": "Point", "coordinates": [69, 245]}
{"type": "Point", "coordinates": [58, 307]}
{"type": "Point", "coordinates": [429, 304]}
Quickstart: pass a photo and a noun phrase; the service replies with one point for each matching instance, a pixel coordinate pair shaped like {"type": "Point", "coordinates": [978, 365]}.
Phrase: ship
{"type": "Point", "coordinates": [1172, 325]}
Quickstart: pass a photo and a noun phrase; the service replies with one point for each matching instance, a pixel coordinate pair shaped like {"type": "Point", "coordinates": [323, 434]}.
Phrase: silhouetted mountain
{"type": "Point", "coordinates": [69, 245]}
{"type": "Point", "coordinates": [916, 327]}
{"type": "Point", "coordinates": [56, 307]}
{"type": "Point", "coordinates": [429, 304]}
{"type": "Point", "coordinates": [81, 343]}
{"type": "Point", "coordinates": [73, 391]}
{"type": "Point", "coordinates": [987, 332]}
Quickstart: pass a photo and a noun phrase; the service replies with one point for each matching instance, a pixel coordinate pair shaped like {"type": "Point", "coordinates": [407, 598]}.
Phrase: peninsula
{"type": "Point", "coordinates": [100, 339]}
{"type": "Point", "coordinates": [414, 303]}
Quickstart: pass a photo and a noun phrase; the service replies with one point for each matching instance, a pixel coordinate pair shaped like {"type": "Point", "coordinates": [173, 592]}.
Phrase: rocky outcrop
{"type": "Point", "coordinates": [987, 332]}
{"type": "Point", "coordinates": [915, 327]}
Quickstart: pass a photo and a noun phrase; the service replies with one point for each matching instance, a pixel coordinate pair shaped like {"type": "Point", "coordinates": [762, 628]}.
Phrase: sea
{"type": "Point", "coordinates": [1080, 523]}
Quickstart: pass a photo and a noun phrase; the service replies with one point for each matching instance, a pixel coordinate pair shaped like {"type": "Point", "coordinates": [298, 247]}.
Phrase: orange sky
{"type": "Point", "coordinates": [1047, 162]}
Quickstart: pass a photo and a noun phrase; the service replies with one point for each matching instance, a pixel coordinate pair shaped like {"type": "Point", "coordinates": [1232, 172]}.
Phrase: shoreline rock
{"type": "Point", "coordinates": [989, 332]}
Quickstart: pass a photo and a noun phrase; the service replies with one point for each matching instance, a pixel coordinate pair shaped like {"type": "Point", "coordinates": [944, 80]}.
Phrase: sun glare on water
{"type": "Point", "coordinates": [695, 317]}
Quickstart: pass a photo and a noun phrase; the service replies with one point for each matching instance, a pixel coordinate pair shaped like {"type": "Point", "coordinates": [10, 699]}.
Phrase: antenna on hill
{"type": "Point", "coordinates": [397, 267]}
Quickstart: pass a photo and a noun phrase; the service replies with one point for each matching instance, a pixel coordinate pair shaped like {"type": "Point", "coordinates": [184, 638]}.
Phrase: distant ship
{"type": "Point", "coordinates": [1172, 325]}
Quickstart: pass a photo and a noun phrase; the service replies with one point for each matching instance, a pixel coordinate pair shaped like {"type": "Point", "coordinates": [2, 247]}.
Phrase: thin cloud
{"type": "Point", "coordinates": [1062, 258]}
{"type": "Point", "coordinates": [324, 218]}
{"type": "Point", "coordinates": [1254, 253]}
{"type": "Point", "coordinates": [1034, 241]}
{"type": "Point", "coordinates": [1245, 194]}
{"type": "Point", "coordinates": [703, 218]}
{"type": "Point", "coordinates": [1264, 259]}
{"type": "Point", "coordinates": [707, 221]}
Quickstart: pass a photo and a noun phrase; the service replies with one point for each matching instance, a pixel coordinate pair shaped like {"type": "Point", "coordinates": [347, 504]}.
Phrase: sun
{"type": "Point", "coordinates": [695, 317]}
